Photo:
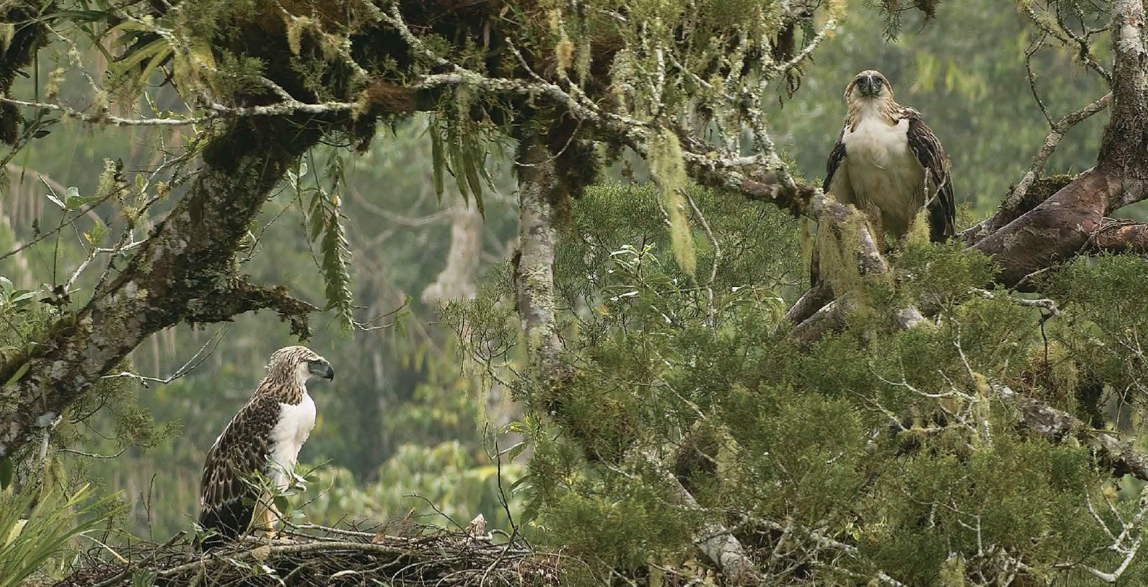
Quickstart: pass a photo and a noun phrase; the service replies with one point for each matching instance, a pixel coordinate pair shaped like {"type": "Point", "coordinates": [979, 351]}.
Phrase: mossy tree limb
{"type": "Point", "coordinates": [183, 272]}
{"type": "Point", "coordinates": [538, 192]}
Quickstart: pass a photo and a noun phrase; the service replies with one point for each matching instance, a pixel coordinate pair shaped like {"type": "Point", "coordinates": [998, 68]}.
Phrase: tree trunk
{"type": "Point", "coordinates": [183, 273]}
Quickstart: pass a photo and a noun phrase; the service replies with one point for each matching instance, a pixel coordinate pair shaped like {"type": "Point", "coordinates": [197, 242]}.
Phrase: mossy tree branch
{"type": "Point", "coordinates": [183, 272]}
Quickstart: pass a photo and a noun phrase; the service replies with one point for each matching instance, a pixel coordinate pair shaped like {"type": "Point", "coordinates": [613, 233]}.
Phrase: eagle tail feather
{"type": "Point", "coordinates": [229, 521]}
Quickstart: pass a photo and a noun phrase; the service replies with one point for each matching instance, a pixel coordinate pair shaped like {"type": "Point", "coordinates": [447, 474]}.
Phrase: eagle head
{"type": "Point", "coordinates": [869, 85]}
{"type": "Point", "coordinates": [302, 363]}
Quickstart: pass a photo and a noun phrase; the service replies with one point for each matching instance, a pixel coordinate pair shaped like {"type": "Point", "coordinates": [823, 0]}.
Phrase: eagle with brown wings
{"type": "Point", "coordinates": [257, 451]}
{"type": "Point", "coordinates": [888, 163]}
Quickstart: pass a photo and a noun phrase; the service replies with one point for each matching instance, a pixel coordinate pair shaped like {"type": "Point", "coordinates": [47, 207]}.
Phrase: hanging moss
{"type": "Point", "coordinates": [668, 169]}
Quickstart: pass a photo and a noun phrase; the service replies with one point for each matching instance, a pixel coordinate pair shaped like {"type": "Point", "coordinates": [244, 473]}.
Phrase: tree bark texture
{"type": "Point", "coordinates": [538, 194]}
{"type": "Point", "coordinates": [183, 273]}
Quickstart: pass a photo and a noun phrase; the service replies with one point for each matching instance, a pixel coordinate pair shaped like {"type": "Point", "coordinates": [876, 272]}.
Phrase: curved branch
{"type": "Point", "coordinates": [1121, 236]}
{"type": "Point", "coordinates": [183, 272]}
{"type": "Point", "coordinates": [1015, 203]}
{"type": "Point", "coordinates": [1062, 226]}
{"type": "Point", "coordinates": [1056, 425]}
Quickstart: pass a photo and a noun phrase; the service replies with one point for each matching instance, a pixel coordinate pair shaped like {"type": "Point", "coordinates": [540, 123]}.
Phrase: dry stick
{"type": "Point", "coordinates": [717, 258]}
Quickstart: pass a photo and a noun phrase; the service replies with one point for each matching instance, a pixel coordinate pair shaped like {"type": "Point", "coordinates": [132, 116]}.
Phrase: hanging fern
{"type": "Point", "coordinates": [325, 224]}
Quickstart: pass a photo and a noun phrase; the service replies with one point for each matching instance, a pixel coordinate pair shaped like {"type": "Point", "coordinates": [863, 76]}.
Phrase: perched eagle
{"type": "Point", "coordinates": [262, 440]}
{"type": "Point", "coordinates": [889, 164]}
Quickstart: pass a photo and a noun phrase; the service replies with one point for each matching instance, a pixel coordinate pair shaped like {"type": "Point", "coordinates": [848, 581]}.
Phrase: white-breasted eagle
{"type": "Point", "coordinates": [888, 163]}
{"type": "Point", "coordinates": [262, 440]}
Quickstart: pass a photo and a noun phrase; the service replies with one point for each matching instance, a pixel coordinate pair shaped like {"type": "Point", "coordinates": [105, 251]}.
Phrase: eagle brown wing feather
{"type": "Point", "coordinates": [931, 155]}
{"type": "Point", "coordinates": [836, 157]}
{"type": "Point", "coordinates": [241, 451]}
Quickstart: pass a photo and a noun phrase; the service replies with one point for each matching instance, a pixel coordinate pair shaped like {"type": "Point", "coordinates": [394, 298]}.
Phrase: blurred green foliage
{"type": "Point", "coordinates": [664, 356]}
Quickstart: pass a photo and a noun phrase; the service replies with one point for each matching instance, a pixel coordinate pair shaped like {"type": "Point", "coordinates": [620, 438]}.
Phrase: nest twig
{"type": "Point", "coordinates": [323, 556]}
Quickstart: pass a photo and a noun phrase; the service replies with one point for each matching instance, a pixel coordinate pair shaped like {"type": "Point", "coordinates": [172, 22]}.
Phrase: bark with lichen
{"type": "Point", "coordinates": [183, 273]}
{"type": "Point", "coordinates": [538, 191]}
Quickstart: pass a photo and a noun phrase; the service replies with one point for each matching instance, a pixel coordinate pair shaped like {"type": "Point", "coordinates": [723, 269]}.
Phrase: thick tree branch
{"type": "Point", "coordinates": [1121, 236]}
{"type": "Point", "coordinates": [1056, 425]}
{"type": "Point", "coordinates": [183, 272]}
{"type": "Point", "coordinates": [1055, 231]}
{"type": "Point", "coordinates": [1062, 226]}
{"type": "Point", "coordinates": [240, 297]}
{"type": "Point", "coordinates": [1017, 202]}
{"type": "Point", "coordinates": [810, 302]}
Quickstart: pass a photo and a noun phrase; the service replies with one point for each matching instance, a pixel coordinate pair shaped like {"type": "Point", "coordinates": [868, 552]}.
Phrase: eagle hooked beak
{"type": "Point", "coordinates": [321, 368]}
{"type": "Point", "coordinates": [869, 86]}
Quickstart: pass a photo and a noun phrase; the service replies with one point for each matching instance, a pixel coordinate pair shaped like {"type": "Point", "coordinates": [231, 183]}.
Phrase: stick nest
{"type": "Point", "coordinates": [314, 555]}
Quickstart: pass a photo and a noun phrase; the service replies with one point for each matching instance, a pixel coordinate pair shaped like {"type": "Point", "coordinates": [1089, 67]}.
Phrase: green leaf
{"type": "Point", "coordinates": [150, 50]}
{"type": "Point", "coordinates": [34, 537]}
{"type": "Point", "coordinates": [154, 64]}
{"type": "Point", "coordinates": [470, 168]}
{"type": "Point", "coordinates": [530, 513]}
{"type": "Point", "coordinates": [516, 450]}
{"type": "Point", "coordinates": [515, 427]}
{"type": "Point", "coordinates": [437, 161]}
{"type": "Point", "coordinates": [318, 223]}
{"type": "Point", "coordinates": [523, 480]}
{"type": "Point", "coordinates": [281, 503]}
{"type": "Point", "coordinates": [22, 296]}
{"type": "Point", "coordinates": [457, 164]}
{"type": "Point", "coordinates": [19, 373]}
{"type": "Point", "coordinates": [7, 471]}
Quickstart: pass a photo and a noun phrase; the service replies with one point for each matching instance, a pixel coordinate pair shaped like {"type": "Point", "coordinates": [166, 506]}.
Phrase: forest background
{"type": "Point", "coordinates": [408, 424]}
{"type": "Point", "coordinates": [403, 417]}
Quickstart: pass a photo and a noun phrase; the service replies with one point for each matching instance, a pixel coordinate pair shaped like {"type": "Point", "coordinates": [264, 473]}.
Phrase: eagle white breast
{"type": "Point", "coordinates": [288, 435]}
{"type": "Point", "coordinates": [883, 173]}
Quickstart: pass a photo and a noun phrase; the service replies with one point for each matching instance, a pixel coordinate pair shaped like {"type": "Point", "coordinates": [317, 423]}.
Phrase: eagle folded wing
{"type": "Point", "coordinates": [931, 155]}
{"type": "Point", "coordinates": [836, 158]}
{"type": "Point", "coordinates": [229, 490]}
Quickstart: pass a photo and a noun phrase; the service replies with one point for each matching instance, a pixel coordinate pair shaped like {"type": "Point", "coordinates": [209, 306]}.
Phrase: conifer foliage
{"type": "Point", "coordinates": [948, 414]}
